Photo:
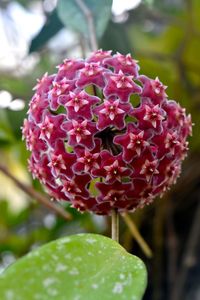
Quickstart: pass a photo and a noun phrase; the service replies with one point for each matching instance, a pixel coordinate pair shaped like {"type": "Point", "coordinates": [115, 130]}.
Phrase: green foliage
{"type": "Point", "coordinates": [116, 38]}
{"type": "Point", "coordinates": [73, 16]}
{"type": "Point", "coordinates": [84, 267]}
{"type": "Point", "coordinates": [6, 134]}
{"type": "Point", "coordinates": [50, 28]}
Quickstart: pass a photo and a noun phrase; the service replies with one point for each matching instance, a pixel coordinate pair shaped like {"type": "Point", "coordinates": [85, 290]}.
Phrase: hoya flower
{"type": "Point", "coordinates": [92, 146]}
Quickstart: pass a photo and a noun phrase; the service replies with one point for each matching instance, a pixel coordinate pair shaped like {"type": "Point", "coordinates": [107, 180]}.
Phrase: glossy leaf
{"type": "Point", "coordinates": [78, 267]}
{"type": "Point", "coordinates": [73, 17]}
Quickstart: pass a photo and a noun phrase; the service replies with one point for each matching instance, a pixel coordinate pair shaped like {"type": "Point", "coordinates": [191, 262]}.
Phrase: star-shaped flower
{"type": "Point", "coordinates": [125, 63]}
{"type": "Point", "coordinates": [80, 132]}
{"type": "Point", "coordinates": [149, 169]}
{"type": "Point", "coordinates": [41, 170]}
{"type": "Point", "coordinates": [50, 128]}
{"type": "Point", "coordinates": [111, 113]}
{"type": "Point", "coordinates": [183, 150]}
{"type": "Point", "coordinates": [99, 56]}
{"type": "Point", "coordinates": [37, 106]}
{"type": "Point", "coordinates": [78, 104]}
{"type": "Point", "coordinates": [153, 115]}
{"type": "Point", "coordinates": [91, 74]}
{"type": "Point", "coordinates": [69, 68]}
{"type": "Point", "coordinates": [44, 84]}
{"type": "Point", "coordinates": [171, 142]}
{"type": "Point", "coordinates": [186, 129]}
{"type": "Point", "coordinates": [133, 142]}
{"type": "Point", "coordinates": [37, 169]}
{"type": "Point", "coordinates": [112, 192]}
{"type": "Point", "coordinates": [82, 204]}
{"type": "Point", "coordinates": [87, 160]}
{"type": "Point", "coordinates": [167, 143]}
{"type": "Point", "coordinates": [33, 141]}
{"type": "Point", "coordinates": [76, 186]}
{"type": "Point", "coordinates": [140, 192]}
{"type": "Point", "coordinates": [149, 116]}
{"type": "Point", "coordinates": [153, 88]}
{"type": "Point", "coordinates": [172, 173]}
{"type": "Point", "coordinates": [61, 162]}
{"type": "Point", "coordinates": [139, 161]}
{"type": "Point", "coordinates": [177, 118]}
{"type": "Point", "coordinates": [46, 127]}
{"type": "Point", "coordinates": [120, 85]}
{"type": "Point", "coordinates": [62, 87]}
{"type": "Point", "coordinates": [112, 168]}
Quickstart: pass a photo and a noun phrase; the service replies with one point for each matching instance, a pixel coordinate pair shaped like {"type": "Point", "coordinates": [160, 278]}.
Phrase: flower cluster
{"type": "Point", "coordinates": [93, 144]}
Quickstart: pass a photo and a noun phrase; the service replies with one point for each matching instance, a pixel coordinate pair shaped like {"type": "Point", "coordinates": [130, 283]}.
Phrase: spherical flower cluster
{"type": "Point", "coordinates": [104, 137]}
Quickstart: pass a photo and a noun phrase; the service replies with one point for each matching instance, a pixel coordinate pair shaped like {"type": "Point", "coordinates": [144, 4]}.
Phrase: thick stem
{"type": "Point", "coordinates": [115, 225]}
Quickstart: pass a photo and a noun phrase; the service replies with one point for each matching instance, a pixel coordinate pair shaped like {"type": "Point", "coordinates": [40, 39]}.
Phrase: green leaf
{"type": "Point", "coordinates": [77, 267]}
{"type": "Point", "coordinates": [52, 26]}
{"type": "Point", "coordinates": [73, 17]}
{"type": "Point", "coordinates": [116, 38]}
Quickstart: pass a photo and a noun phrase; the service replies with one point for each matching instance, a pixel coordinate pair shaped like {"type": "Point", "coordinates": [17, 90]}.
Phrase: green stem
{"type": "Point", "coordinates": [115, 225]}
{"type": "Point", "coordinates": [90, 22]}
{"type": "Point", "coordinates": [136, 234]}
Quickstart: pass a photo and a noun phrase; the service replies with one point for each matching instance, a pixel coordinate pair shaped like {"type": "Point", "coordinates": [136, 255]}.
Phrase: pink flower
{"type": "Point", "coordinates": [111, 113]}
{"type": "Point", "coordinates": [153, 88]}
{"type": "Point", "coordinates": [92, 73]}
{"type": "Point", "coordinates": [60, 88]}
{"type": "Point", "coordinates": [120, 85]}
{"type": "Point", "coordinates": [60, 161]}
{"type": "Point", "coordinates": [50, 127]}
{"type": "Point", "coordinates": [90, 146]}
{"type": "Point", "coordinates": [80, 132]}
{"type": "Point", "coordinates": [69, 68]}
{"type": "Point", "coordinates": [133, 142]}
{"type": "Point", "coordinates": [87, 160]}
{"type": "Point", "coordinates": [78, 104]}
{"type": "Point", "coordinates": [99, 56]}
{"type": "Point", "coordinates": [124, 63]}
{"type": "Point", "coordinates": [112, 168]}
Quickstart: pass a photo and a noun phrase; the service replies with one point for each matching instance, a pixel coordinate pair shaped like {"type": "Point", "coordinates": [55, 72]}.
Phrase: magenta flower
{"type": "Point", "coordinates": [78, 104]}
{"type": "Point", "coordinates": [92, 147]}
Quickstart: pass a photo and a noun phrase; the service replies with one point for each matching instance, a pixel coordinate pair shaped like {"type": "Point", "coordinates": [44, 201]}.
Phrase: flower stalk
{"type": "Point", "coordinates": [137, 236]}
{"type": "Point", "coordinates": [115, 225]}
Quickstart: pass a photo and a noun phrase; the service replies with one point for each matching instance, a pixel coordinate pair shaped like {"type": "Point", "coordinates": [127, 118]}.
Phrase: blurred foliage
{"type": "Point", "coordinates": [101, 11]}
{"type": "Point", "coordinates": [164, 37]}
{"type": "Point", "coordinates": [53, 26]}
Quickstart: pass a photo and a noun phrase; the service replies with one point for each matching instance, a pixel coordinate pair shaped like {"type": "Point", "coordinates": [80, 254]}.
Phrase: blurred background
{"type": "Point", "coordinates": [165, 37]}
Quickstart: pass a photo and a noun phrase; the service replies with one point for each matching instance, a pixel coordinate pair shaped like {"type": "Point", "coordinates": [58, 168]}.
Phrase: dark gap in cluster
{"type": "Point", "coordinates": [106, 137]}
